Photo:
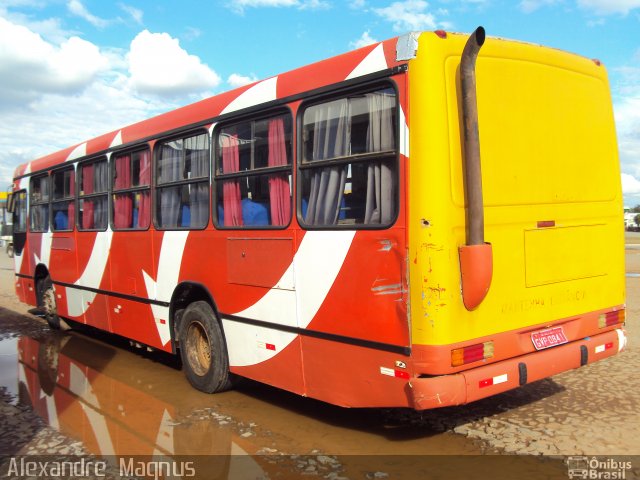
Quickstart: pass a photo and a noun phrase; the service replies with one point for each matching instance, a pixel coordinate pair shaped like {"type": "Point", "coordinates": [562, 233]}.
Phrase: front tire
{"type": "Point", "coordinates": [203, 349]}
{"type": "Point", "coordinates": [47, 301]}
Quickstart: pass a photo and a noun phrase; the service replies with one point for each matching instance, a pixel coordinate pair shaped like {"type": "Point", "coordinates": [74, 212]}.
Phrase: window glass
{"type": "Point", "coordinates": [349, 168]}
{"type": "Point", "coordinates": [20, 212]}
{"type": "Point", "coordinates": [92, 199]}
{"type": "Point", "coordinates": [132, 193]}
{"type": "Point", "coordinates": [39, 210]}
{"type": "Point", "coordinates": [63, 203]}
{"type": "Point", "coordinates": [182, 193]}
{"type": "Point", "coordinates": [253, 180]}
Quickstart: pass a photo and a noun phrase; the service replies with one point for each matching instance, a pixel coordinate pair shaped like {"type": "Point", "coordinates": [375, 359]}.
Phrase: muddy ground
{"type": "Point", "coordinates": [139, 403]}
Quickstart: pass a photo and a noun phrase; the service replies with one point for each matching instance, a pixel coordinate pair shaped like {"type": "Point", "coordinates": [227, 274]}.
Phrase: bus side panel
{"type": "Point", "coordinates": [93, 249]}
{"type": "Point", "coordinates": [249, 275]}
{"type": "Point", "coordinates": [131, 258]}
{"type": "Point", "coordinates": [63, 267]}
{"type": "Point", "coordinates": [354, 376]}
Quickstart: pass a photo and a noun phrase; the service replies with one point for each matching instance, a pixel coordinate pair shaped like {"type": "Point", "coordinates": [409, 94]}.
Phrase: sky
{"type": "Point", "coordinates": [71, 70]}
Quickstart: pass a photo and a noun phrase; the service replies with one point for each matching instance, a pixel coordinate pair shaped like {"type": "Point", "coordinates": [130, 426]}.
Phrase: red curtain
{"type": "Point", "coordinates": [123, 204]}
{"type": "Point", "coordinates": [279, 192]}
{"type": "Point", "coordinates": [87, 188]}
{"type": "Point", "coordinates": [231, 188]}
{"type": "Point", "coordinates": [144, 207]}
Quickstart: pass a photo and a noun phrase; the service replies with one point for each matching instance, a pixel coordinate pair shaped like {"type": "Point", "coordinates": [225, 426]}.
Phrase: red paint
{"type": "Point", "coordinates": [546, 223]}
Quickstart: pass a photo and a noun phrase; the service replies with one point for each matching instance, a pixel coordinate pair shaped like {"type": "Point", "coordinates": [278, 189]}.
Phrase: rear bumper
{"type": "Point", "coordinates": [482, 382]}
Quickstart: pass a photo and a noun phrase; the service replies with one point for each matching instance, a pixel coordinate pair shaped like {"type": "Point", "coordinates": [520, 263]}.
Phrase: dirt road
{"type": "Point", "coordinates": [129, 402]}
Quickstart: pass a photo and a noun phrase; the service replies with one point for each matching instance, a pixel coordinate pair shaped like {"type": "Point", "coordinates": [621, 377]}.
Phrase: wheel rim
{"type": "Point", "coordinates": [198, 349]}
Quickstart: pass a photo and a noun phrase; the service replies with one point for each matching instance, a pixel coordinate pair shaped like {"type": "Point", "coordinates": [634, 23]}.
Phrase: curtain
{"type": "Point", "coordinates": [170, 171]}
{"type": "Point", "coordinates": [379, 207]}
{"type": "Point", "coordinates": [87, 188]}
{"type": "Point", "coordinates": [199, 195]}
{"type": "Point", "coordinates": [231, 204]}
{"type": "Point", "coordinates": [101, 182]}
{"type": "Point", "coordinates": [279, 191]}
{"type": "Point", "coordinates": [123, 204]}
{"type": "Point", "coordinates": [331, 139]}
{"type": "Point", "coordinates": [144, 206]}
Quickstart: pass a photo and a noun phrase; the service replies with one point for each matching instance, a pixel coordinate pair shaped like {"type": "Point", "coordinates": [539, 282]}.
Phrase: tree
{"type": "Point", "coordinates": [636, 219]}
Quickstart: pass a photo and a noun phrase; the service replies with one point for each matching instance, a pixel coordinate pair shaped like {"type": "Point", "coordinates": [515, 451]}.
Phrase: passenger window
{"type": "Point", "coordinates": [63, 202]}
{"type": "Point", "coordinates": [92, 199]}
{"type": "Point", "coordinates": [253, 173]}
{"type": "Point", "coordinates": [132, 190]}
{"type": "Point", "coordinates": [39, 204]}
{"type": "Point", "coordinates": [349, 173]}
{"type": "Point", "coordinates": [182, 178]}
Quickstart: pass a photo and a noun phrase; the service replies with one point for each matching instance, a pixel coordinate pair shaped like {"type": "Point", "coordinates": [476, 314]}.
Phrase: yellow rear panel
{"type": "Point", "coordinates": [549, 154]}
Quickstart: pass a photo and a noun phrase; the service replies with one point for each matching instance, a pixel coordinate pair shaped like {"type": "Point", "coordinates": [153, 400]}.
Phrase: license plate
{"type": "Point", "coordinates": [548, 338]}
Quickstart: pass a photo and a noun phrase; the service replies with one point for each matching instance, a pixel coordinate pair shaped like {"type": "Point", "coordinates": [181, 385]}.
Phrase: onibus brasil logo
{"type": "Point", "coordinates": [597, 468]}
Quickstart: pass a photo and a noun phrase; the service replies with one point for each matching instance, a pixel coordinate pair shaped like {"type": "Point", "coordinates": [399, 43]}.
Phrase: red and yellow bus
{"type": "Point", "coordinates": [423, 222]}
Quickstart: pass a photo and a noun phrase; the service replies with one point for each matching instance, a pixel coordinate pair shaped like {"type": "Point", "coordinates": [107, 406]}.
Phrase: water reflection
{"type": "Point", "coordinates": [8, 358]}
{"type": "Point", "coordinates": [121, 405]}
{"type": "Point", "coordinates": [69, 381]}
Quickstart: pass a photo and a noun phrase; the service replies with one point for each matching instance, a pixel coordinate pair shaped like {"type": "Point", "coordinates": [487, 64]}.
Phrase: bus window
{"type": "Point", "coordinates": [182, 179]}
{"type": "Point", "coordinates": [39, 213]}
{"type": "Point", "coordinates": [131, 191]}
{"type": "Point", "coordinates": [63, 203]}
{"type": "Point", "coordinates": [349, 173]}
{"type": "Point", "coordinates": [92, 199]}
{"type": "Point", "coordinates": [253, 174]}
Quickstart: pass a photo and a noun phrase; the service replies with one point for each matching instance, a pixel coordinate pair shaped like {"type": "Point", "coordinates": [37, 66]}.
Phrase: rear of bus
{"type": "Point", "coordinates": [552, 206]}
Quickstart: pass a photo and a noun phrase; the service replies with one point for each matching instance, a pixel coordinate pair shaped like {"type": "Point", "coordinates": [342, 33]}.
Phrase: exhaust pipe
{"type": "Point", "coordinates": [476, 257]}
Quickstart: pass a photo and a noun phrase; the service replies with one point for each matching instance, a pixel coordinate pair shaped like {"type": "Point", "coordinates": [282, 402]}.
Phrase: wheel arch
{"type": "Point", "coordinates": [185, 293]}
{"type": "Point", "coordinates": [41, 272]}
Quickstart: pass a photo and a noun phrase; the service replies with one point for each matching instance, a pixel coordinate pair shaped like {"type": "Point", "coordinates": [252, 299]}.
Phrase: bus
{"type": "Point", "coordinates": [6, 238]}
{"type": "Point", "coordinates": [422, 222]}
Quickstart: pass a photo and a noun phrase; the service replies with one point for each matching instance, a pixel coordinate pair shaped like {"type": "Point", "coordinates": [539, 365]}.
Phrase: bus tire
{"type": "Point", "coordinates": [48, 303]}
{"type": "Point", "coordinates": [10, 250]}
{"type": "Point", "coordinates": [203, 350]}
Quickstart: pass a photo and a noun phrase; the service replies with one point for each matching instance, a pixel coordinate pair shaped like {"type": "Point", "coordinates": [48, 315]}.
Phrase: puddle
{"type": "Point", "coordinates": [8, 366]}
{"type": "Point", "coordinates": [121, 403]}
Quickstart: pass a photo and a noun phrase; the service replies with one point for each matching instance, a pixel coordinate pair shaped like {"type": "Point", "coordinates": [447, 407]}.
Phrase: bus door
{"type": "Point", "coordinates": [63, 258]}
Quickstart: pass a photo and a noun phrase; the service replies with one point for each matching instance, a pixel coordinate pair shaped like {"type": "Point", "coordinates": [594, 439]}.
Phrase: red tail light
{"type": "Point", "coordinates": [472, 353]}
{"type": "Point", "coordinates": [611, 318]}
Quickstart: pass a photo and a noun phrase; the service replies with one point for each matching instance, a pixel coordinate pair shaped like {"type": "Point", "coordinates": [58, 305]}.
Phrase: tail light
{"type": "Point", "coordinates": [611, 318]}
{"type": "Point", "coordinates": [472, 353]}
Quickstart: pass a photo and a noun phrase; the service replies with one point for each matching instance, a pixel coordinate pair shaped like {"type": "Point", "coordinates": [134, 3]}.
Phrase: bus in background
{"type": "Point", "coordinates": [6, 227]}
{"type": "Point", "coordinates": [423, 222]}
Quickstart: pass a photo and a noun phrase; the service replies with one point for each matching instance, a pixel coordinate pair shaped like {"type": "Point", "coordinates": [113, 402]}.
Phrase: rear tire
{"type": "Point", "coordinates": [10, 252]}
{"type": "Point", "coordinates": [203, 349]}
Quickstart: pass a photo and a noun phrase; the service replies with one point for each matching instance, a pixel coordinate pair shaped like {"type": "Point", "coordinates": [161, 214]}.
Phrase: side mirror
{"type": "Point", "coordinates": [11, 202]}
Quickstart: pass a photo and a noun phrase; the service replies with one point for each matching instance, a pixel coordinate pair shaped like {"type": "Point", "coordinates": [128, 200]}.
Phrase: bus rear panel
{"type": "Point", "coordinates": [552, 203]}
